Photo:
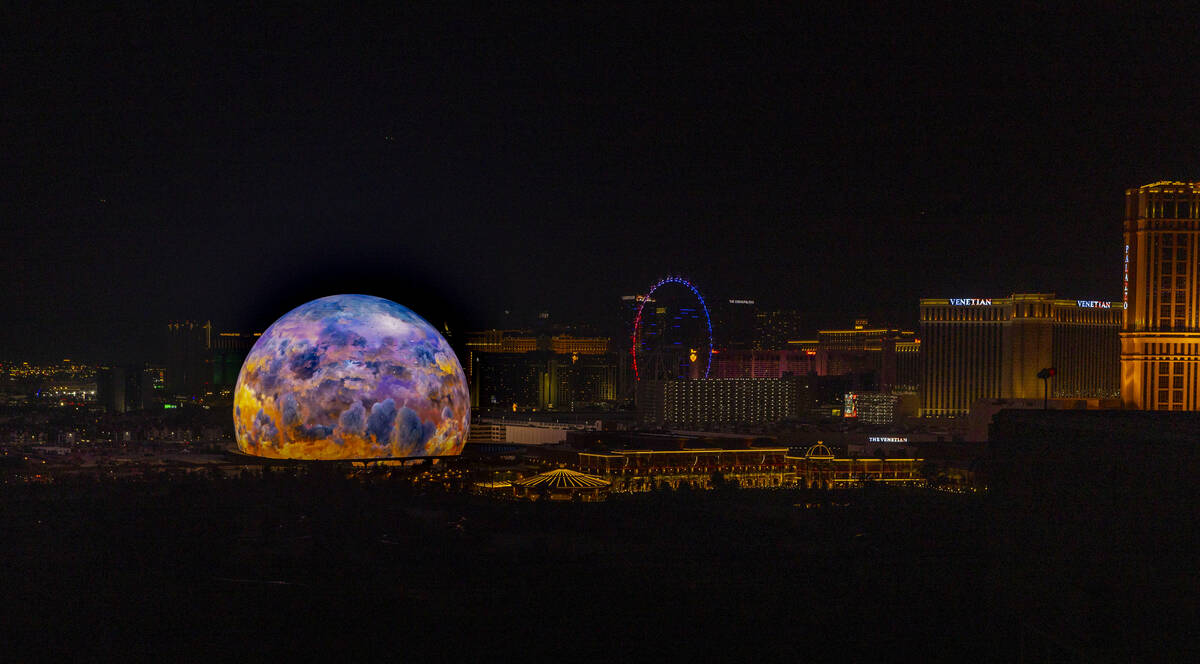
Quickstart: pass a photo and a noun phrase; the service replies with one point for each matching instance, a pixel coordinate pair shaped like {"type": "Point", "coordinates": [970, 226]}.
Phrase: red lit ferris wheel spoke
{"type": "Point", "coordinates": [637, 321]}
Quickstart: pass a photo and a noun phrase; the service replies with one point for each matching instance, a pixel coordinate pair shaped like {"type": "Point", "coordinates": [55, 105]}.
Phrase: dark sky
{"type": "Point", "coordinates": [229, 167]}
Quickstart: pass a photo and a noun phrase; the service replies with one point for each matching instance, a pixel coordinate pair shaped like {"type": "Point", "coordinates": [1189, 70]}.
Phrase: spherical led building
{"type": "Point", "coordinates": [351, 377]}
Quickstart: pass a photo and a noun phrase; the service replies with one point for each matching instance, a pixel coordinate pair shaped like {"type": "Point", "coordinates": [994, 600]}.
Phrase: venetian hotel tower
{"type": "Point", "coordinates": [1160, 335]}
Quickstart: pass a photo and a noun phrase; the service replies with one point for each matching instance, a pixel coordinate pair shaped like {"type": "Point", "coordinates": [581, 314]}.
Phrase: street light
{"type": "Point", "coordinates": [1046, 374]}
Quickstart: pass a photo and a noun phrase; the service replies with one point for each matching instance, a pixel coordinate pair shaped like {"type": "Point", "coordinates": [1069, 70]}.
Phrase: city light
{"type": "Point", "coordinates": [204, 451]}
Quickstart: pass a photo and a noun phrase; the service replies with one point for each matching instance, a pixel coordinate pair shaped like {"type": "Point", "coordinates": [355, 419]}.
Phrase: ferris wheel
{"type": "Point", "coordinates": [673, 339]}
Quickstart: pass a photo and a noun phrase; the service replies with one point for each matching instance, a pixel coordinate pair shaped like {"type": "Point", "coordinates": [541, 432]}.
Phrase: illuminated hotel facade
{"type": "Point", "coordinates": [717, 403]}
{"type": "Point", "coordinates": [632, 471]}
{"type": "Point", "coordinates": [993, 348]}
{"type": "Point", "coordinates": [1160, 338]}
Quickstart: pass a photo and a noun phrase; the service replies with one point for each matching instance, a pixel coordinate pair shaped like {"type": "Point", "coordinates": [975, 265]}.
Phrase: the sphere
{"type": "Point", "coordinates": [351, 377]}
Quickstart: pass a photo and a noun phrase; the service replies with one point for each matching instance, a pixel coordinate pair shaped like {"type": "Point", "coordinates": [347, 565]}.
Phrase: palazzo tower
{"type": "Point", "coordinates": [1160, 333]}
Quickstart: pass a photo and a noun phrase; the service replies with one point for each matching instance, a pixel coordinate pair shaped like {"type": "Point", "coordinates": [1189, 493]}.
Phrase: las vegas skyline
{"type": "Point", "coordinates": [841, 165]}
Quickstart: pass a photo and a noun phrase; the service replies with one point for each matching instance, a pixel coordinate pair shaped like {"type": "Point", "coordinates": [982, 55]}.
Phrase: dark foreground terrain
{"type": "Point", "coordinates": [258, 567]}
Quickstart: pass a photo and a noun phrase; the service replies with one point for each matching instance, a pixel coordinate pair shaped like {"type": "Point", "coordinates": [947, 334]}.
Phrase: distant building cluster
{"type": "Point", "coordinates": [201, 368]}
{"type": "Point", "coordinates": [521, 370]}
{"type": "Point", "coordinates": [61, 384]}
{"type": "Point", "coordinates": [202, 365]}
{"type": "Point", "coordinates": [673, 359]}
{"type": "Point", "coordinates": [983, 351]}
{"type": "Point", "coordinates": [123, 389]}
{"type": "Point", "coordinates": [888, 357]}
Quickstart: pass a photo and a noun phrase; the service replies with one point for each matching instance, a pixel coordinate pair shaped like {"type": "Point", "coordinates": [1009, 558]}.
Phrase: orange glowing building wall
{"type": "Point", "coordinates": [1160, 337]}
{"type": "Point", "coordinates": [993, 348]}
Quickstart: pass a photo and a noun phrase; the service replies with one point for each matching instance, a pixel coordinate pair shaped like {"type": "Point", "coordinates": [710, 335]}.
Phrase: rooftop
{"type": "Point", "coordinates": [562, 478]}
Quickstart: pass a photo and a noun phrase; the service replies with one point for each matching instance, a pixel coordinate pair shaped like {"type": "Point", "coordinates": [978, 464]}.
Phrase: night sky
{"type": "Point", "coordinates": [230, 167]}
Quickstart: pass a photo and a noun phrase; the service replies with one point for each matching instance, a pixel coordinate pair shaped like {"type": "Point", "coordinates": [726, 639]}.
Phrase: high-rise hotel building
{"type": "Point", "coordinates": [993, 348]}
{"type": "Point", "coordinates": [1160, 338]}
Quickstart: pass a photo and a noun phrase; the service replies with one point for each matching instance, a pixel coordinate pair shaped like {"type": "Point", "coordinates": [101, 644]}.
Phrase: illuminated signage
{"type": "Point", "coordinates": [741, 301]}
{"type": "Point", "coordinates": [971, 302]}
{"type": "Point", "coordinates": [887, 439]}
{"type": "Point", "coordinates": [1125, 302]}
{"type": "Point", "coordinates": [1094, 304]}
{"type": "Point", "coordinates": [851, 408]}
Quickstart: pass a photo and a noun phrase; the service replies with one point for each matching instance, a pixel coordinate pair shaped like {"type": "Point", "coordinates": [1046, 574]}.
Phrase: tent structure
{"type": "Point", "coordinates": [561, 484]}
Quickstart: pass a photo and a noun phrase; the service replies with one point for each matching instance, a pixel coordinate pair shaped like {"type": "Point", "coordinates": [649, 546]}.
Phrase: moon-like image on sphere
{"type": "Point", "coordinates": [351, 377]}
